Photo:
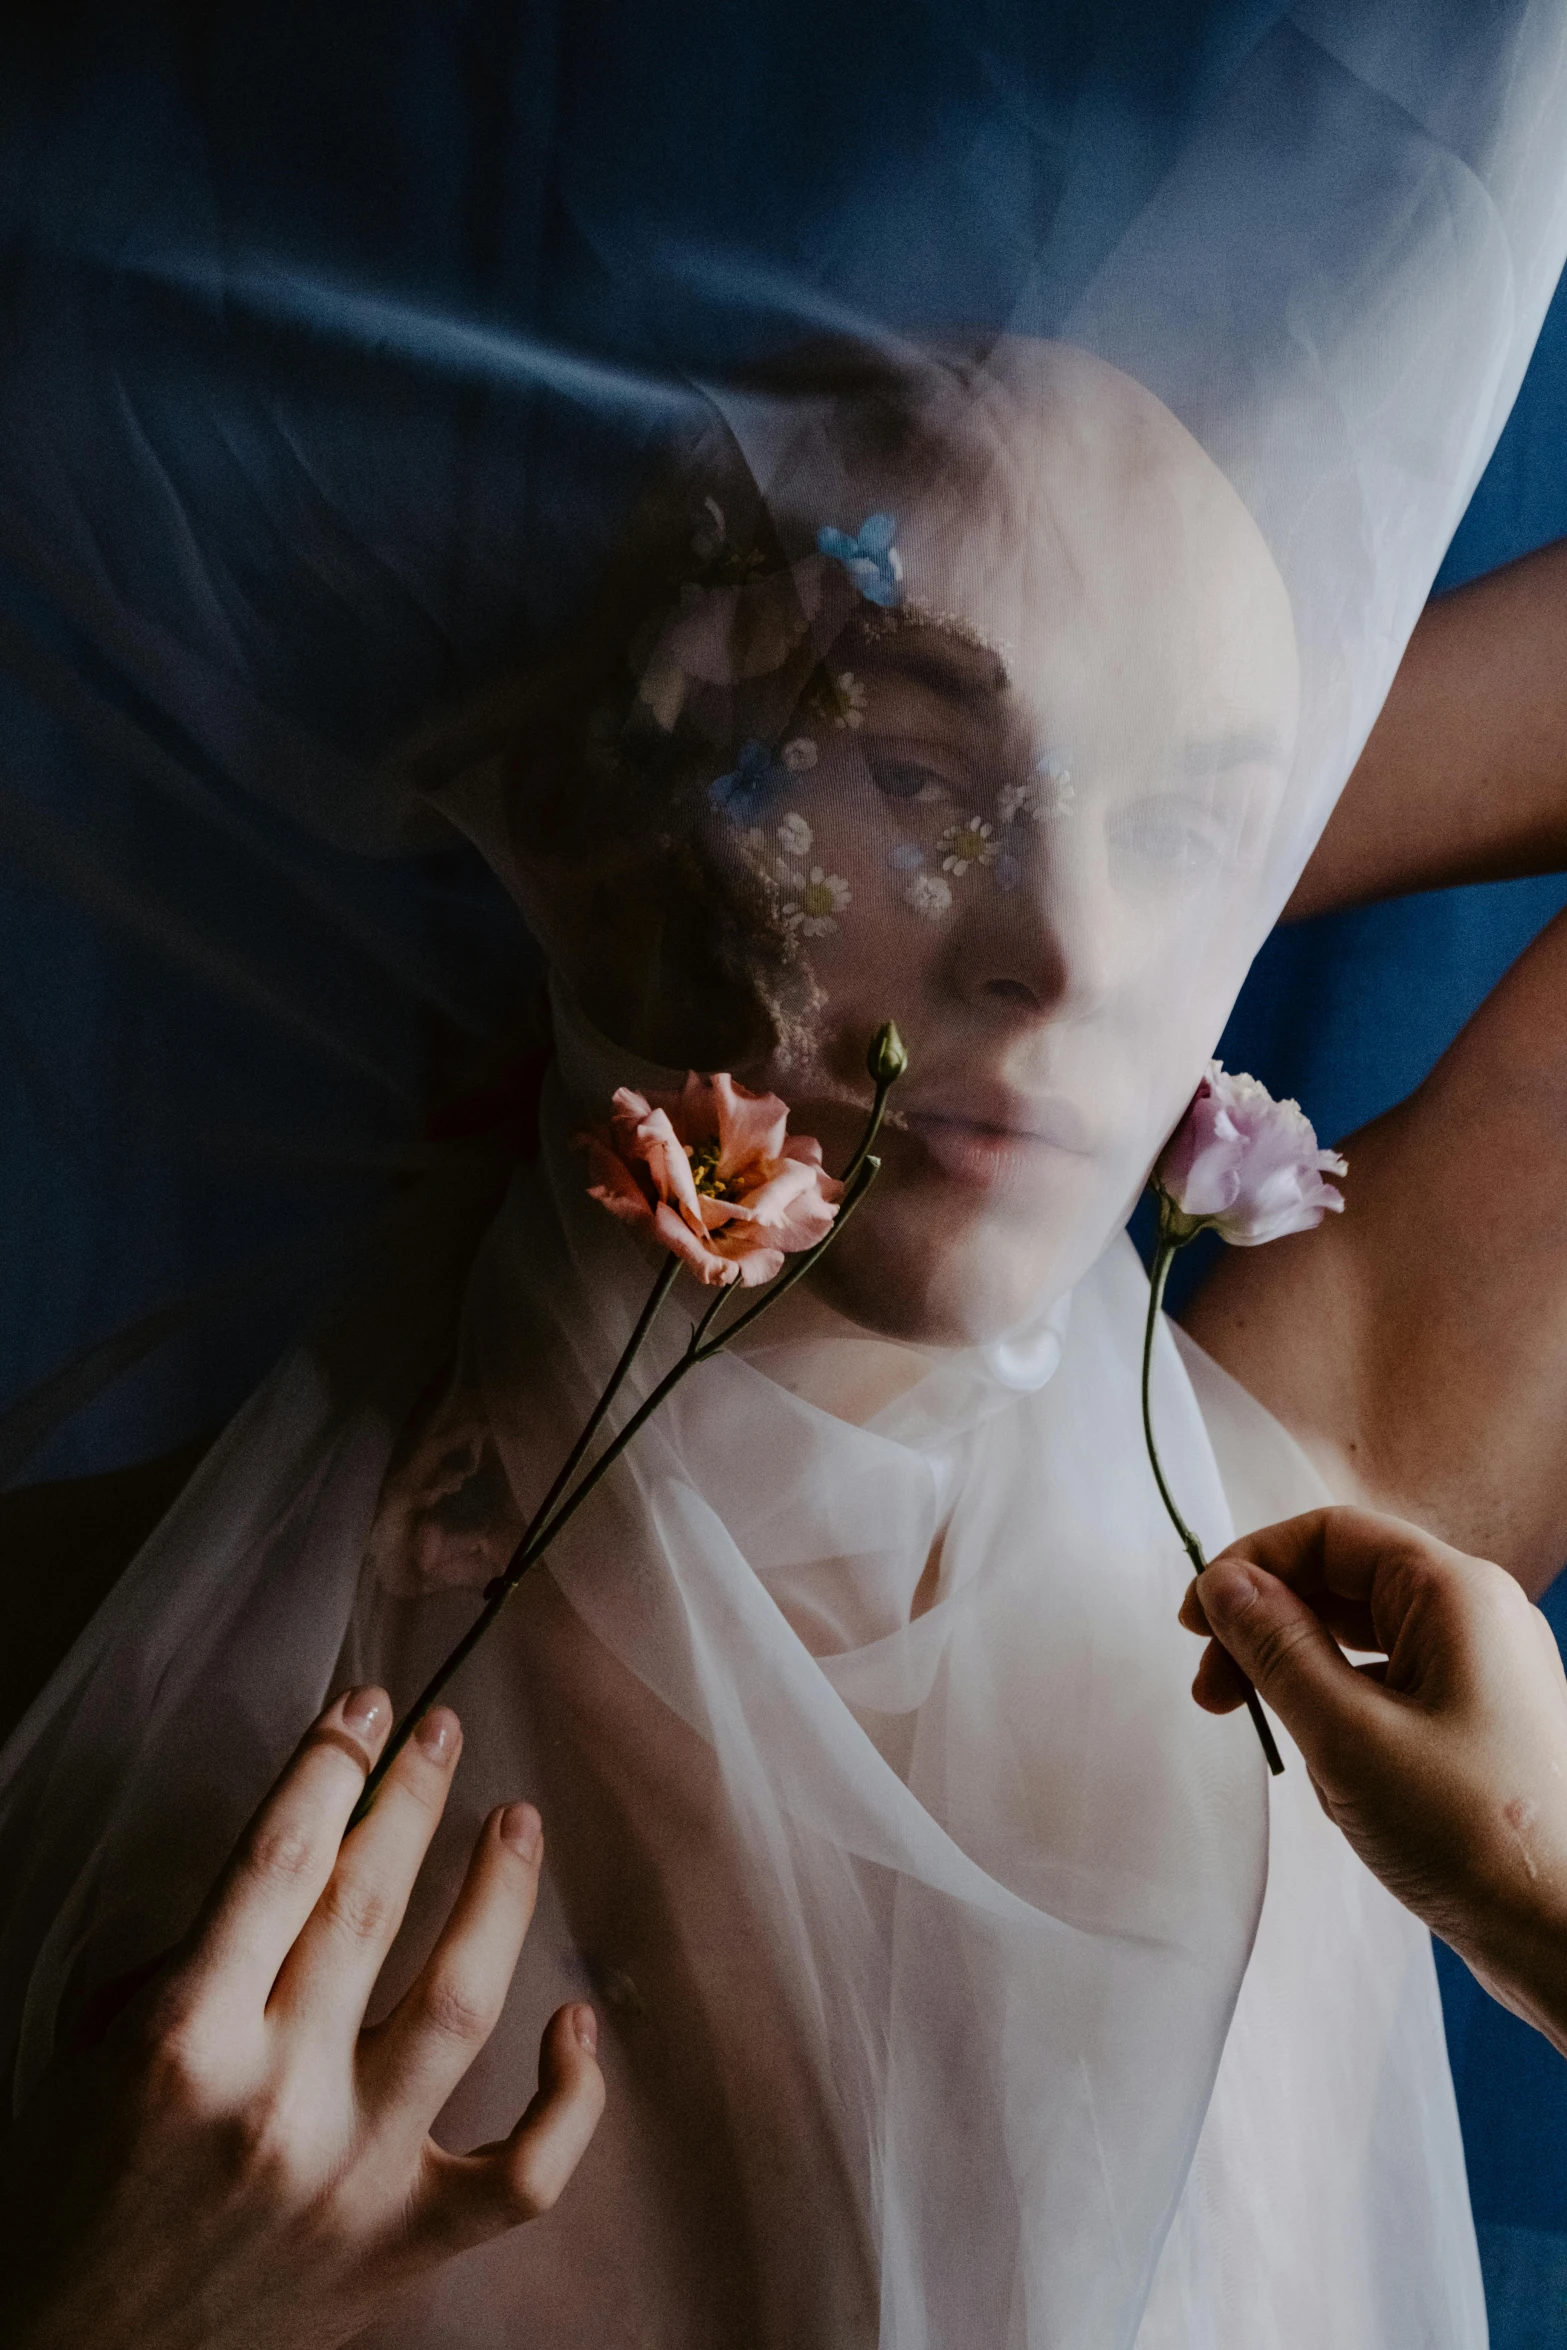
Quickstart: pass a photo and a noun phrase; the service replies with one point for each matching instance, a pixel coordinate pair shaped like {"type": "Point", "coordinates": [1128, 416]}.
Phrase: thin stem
{"type": "Point", "coordinates": [700, 1350]}
{"type": "Point", "coordinates": [661, 1288]}
{"type": "Point", "coordinates": [867, 1143]}
{"type": "Point", "coordinates": [553, 1513]}
{"type": "Point", "coordinates": [496, 1597]}
{"type": "Point", "coordinates": [1164, 1258]}
{"type": "Point", "coordinates": [718, 1298]}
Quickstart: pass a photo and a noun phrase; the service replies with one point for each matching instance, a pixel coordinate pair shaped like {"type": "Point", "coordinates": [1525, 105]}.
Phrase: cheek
{"type": "Point", "coordinates": [866, 926]}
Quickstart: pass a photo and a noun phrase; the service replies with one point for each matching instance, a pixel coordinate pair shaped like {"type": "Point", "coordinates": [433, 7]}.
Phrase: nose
{"type": "Point", "coordinates": [1037, 944]}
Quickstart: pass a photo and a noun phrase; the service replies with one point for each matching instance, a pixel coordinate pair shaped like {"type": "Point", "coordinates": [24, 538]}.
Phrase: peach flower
{"type": "Point", "coordinates": [714, 1174]}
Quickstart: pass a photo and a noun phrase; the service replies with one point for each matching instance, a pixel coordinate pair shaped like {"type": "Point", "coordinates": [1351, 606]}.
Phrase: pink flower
{"type": "Point", "coordinates": [714, 1174]}
{"type": "Point", "coordinates": [1246, 1165]}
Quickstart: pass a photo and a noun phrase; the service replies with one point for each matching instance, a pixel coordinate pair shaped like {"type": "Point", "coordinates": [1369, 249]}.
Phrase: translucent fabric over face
{"type": "Point", "coordinates": [978, 644]}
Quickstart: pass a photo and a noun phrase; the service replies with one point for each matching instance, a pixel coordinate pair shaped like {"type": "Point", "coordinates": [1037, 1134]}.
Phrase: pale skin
{"type": "Point", "coordinates": [1408, 1317]}
{"type": "Point", "coordinates": [1417, 1345]}
{"type": "Point", "coordinates": [1445, 1766]}
{"type": "Point", "coordinates": [239, 2163]}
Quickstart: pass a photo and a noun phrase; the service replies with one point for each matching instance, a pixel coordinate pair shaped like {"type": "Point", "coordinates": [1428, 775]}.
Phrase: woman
{"type": "Point", "coordinates": [915, 1897]}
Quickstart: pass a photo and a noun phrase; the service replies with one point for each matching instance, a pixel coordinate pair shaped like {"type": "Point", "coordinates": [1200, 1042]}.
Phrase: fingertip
{"type": "Point", "coordinates": [1218, 1685]}
{"type": "Point", "coordinates": [1229, 1587]}
{"type": "Point", "coordinates": [1190, 1613]}
{"type": "Point", "coordinates": [522, 1830]}
{"type": "Point", "coordinates": [357, 1722]}
{"type": "Point", "coordinates": [439, 1736]}
{"type": "Point", "coordinates": [366, 1713]}
{"type": "Point", "coordinates": [554, 2133]}
{"type": "Point", "coordinates": [568, 2055]}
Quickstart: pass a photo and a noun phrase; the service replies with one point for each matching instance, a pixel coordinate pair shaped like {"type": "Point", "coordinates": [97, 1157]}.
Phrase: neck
{"type": "Point", "coordinates": [832, 1362]}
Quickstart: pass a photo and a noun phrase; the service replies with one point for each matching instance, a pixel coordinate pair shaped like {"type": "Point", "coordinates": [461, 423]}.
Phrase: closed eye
{"type": "Point", "coordinates": [907, 773]}
{"type": "Point", "coordinates": [1172, 834]}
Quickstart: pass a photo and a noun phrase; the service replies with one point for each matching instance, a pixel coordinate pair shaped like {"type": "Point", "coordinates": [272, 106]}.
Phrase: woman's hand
{"type": "Point", "coordinates": [1446, 1767]}
{"type": "Point", "coordinates": [242, 2163]}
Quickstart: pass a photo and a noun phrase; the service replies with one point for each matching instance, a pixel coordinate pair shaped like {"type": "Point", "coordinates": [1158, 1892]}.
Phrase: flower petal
{"type": "Point", "coordinates": [751, 1126]}
{"type": "Point", "coordinates": [682, 1242]}
{"type": "Point", "coordinates": [752, 1256]}
{"type": "Point", "coordinates": [615, 1187]}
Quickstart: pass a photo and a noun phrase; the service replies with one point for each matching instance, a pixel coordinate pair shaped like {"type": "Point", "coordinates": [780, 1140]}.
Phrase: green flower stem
{"type": "Point", "coordinates": [554, 1513]}
{"type": "Point", "coordinates": [867, 1143]}
{"type": "Point", "coordinates": [1164, 1257]}
{"type": "Point", "coordinates": [656, 1296]}
{"type": "Point", "coordinates": [537, 1525]}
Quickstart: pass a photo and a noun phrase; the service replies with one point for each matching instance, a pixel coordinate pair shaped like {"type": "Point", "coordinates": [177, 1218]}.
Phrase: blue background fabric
{"type": "Point", "coordinates": [289, 293]}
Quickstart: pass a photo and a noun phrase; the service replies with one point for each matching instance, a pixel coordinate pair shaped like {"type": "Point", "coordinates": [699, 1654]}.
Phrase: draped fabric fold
{"type": "Point", "coordinates": [890, 514]}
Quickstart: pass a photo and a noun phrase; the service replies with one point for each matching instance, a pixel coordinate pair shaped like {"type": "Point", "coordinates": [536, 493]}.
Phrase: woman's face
{"type": "Point", "coordinates": [1042, 861]}
{"type": "Point", "coordinates": [1029, 830]}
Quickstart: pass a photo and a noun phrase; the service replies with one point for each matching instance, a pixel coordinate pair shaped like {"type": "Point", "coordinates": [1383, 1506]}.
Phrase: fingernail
{"type": "Point", "coordinates": [1229, 1588]}
{"type": "Point", "coordinates": [437, 1733]}
{"type": "Point", "coordinates": [586, 2026]}
{"type": "Point", "coordinates": [522, 1829]}
{"type": "Point", "coordinates": [364, 1711]}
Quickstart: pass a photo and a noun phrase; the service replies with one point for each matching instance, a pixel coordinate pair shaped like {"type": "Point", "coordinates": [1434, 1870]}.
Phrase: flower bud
{"type": "Point", "coordinates": [887, 1058]}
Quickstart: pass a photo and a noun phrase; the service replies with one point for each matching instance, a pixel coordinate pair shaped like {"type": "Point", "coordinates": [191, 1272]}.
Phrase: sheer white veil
{"type": "Point", "coordinates": [961, 1890]}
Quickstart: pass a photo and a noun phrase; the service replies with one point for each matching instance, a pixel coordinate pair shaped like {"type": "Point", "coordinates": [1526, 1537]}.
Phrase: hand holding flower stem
{"type": "Point", "coordinates": [1249, 1168]}
{"type": "Point", "coordinates": [731, 1204]}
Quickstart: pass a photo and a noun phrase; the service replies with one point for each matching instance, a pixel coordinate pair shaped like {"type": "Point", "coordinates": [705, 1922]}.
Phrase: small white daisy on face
{"type": "Point", "coordinates": [851, 696]}
{"type": "Point", "coordinates": [928, 894]}
{"type": "Point", "coordinates": [1048, 792]}
{"type": "Point", "coordinates": [963, 845]}
{"type": "Point", "coordinates": [840, 699]}
{"type": "Point", "coordinates": [819, 898]}
{"type": "Point", "coordinates": [1055, 790]}
{"type": "Point", "coordinates": [799, 756]}
{"type": "Point", "coordinates": [795, 835]}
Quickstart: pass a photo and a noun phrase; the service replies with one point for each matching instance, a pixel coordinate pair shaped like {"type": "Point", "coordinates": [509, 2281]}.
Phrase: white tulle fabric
{"type": "Point", "coordinates": [944, 2004]}
{"type": "Point", "coordinates": [917, 1943]}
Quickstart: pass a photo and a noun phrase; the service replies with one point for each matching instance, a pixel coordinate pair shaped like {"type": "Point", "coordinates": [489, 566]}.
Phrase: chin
{"type": "Point", "coordinates": [906, 1269]}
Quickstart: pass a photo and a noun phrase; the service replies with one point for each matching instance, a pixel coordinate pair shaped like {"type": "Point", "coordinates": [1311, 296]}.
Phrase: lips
{"type": "Point", "coordinates": [985, 1138]}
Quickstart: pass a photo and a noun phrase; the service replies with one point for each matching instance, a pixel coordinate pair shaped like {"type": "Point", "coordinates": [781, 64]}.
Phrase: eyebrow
{"type": "Point", "coordinates": [931, 655]}
{"type": "Point", "coordinates": [1249, 746]}
{"type": "Point", "coordinates": [954, 665]}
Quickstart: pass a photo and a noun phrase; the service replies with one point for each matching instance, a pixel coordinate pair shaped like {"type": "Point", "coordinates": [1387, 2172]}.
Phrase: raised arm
{"type": "Point", "coordinates": [1417, 1344]}
{"type": "Point", "coordinates": [1464, 777]}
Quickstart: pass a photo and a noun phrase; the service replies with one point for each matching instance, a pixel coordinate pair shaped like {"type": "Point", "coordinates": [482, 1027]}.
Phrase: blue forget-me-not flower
{"type": "Point", "coordinates": [870, 558]}
{"type": "Point", "coordinates": [754, 774]}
